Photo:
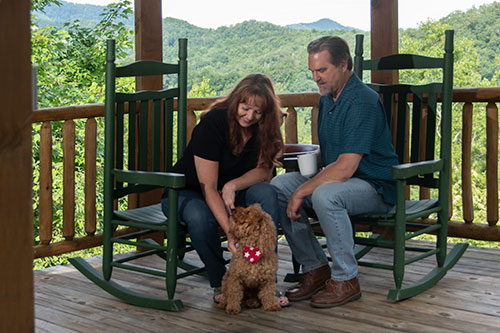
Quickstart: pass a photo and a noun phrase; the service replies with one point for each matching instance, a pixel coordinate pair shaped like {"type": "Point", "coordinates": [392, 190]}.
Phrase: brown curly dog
{"type": "Point", "coordinates": [251, 277]}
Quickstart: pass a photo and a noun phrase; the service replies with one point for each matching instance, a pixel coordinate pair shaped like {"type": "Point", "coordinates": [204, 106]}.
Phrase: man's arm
{"type": "Point", "coordinates": [339, 171]}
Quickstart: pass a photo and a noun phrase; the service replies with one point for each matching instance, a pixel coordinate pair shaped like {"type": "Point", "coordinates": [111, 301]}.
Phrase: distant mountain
{"type": "Point", "coordinates": [323, 24]}
{"type": "Point", "coordinates": [88, 15]}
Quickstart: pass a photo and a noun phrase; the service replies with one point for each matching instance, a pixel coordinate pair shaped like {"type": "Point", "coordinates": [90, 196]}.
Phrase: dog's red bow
{"type": "Point", "coordinates": [252, 254]}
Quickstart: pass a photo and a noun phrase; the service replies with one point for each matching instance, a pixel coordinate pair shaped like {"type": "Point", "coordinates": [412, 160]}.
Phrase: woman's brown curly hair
{"type": "Point", "coordinates": [267, 130]}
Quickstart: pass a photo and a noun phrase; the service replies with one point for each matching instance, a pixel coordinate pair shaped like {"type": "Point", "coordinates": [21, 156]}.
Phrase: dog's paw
{"type": "Point", "coordinates": [233, 309]}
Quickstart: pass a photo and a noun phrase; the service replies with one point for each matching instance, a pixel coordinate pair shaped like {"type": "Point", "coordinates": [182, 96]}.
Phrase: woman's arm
{"type": "Point", "coordinates": [207, 172]}
{"type": "Point", "coordinates": [246, 180]}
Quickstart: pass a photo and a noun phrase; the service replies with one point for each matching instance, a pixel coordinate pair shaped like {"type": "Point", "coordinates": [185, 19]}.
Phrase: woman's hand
{"type": "Point", "coordinates": [228, 195]}
{"type": "Point", "coordinates": [231, 243]}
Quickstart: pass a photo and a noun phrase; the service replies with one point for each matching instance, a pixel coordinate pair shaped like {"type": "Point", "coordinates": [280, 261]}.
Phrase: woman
{"type": "Point", "coordinates": [226, 165]}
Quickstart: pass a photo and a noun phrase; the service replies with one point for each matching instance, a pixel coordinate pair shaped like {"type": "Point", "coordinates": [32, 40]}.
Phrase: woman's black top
{"type": "Point", "coordinates": [210, 140]}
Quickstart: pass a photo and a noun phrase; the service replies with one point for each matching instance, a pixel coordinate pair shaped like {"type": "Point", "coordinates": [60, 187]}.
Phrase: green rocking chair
{"type": "Point", "coordinates": [420, 119]}
{"type": "Point", "coordinates": [139, 141]}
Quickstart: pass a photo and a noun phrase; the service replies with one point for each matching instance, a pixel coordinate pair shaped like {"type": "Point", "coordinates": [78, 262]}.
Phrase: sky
{"type": "Point", "coordinates": [352, 13]}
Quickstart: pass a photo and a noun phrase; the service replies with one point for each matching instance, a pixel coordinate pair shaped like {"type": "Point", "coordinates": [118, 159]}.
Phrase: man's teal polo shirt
{"type": "Point", "coordinates": [356, 123]}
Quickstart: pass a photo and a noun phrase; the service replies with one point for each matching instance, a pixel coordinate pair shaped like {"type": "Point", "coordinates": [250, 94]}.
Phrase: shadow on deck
{"type": "Point", "coordinates": [467, 299]}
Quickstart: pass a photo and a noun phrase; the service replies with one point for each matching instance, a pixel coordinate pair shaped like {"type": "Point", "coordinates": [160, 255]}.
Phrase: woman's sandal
{"type": "Point", "coordinates": [282, 299]}
{"type": "Point", "coordinates": [218, 296]}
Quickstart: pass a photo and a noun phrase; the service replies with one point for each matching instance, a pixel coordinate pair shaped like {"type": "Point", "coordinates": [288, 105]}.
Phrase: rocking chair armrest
{"type": "Point", "coordinates": [166, 179]}
{"type": "Point", "coordinates": [408, 170]}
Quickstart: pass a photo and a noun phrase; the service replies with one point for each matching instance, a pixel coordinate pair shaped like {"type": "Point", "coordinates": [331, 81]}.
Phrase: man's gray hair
{"type": "Point", "coordinates": [336, 46]}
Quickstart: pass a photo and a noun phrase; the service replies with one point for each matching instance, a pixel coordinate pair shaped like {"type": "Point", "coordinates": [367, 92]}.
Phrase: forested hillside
{"type": "Point", "coordinates": [482, 26]}
{"type": "Point", "coordinates": [218, 58]}
{"type": "Point", "coordinates": [226, 54]}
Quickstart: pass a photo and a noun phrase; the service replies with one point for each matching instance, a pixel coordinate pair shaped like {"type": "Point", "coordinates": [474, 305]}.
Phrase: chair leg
{"type": "Point", "coordinates": [107, 250]}
{"type": "Point", "coordinates": [442, 240]}
{"type": "Point", "coordinates": [399, 262]}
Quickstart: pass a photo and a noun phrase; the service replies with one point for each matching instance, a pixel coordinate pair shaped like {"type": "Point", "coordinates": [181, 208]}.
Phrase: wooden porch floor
{"type": "Point", "coordinates": [467, 299]}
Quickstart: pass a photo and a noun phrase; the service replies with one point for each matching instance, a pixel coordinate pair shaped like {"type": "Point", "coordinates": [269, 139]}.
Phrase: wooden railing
{"type": "Point", "coordinates": [467, 228]}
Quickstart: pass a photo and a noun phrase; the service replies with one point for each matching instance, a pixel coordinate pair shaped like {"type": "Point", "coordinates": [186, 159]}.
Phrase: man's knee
{"type": "Point", "coordinates": [286, 183]}
{"type": "Point", "coordinates": [279, 180]}
{"type": "Point", "coordinates": [263, 193]}
{"type": "Point", "coordinates": [326, 196]}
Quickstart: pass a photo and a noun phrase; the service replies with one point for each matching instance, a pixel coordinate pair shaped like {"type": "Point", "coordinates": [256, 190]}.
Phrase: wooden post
{"type": "Point", "coordinates": [384, 36]}
{"type": "Point", "coordinates": [148, 46]}
{"type": "Point", "coordinates": [16, 212]}
{"type": "Point", "coordinates": [148, 37]}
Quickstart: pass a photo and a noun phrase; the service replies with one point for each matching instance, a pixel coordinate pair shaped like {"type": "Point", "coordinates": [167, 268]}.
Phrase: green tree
{"type": "Point", "coordinates": [70, 61]}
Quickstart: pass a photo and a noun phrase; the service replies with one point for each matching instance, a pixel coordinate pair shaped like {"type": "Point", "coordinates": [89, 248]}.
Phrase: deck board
{"type": "Point", "coordinates": [467, 299]}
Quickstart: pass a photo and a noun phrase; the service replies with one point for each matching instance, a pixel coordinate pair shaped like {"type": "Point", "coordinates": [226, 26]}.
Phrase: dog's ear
{"type": "Point", "coordinates": [232, 225]}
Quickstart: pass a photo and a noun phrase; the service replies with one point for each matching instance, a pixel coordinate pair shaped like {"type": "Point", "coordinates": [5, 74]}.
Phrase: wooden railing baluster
{"type": "Point", "coordinates": [45, 213]}
{"type": "Point", "coordinates": [90, 176]}
{"type": "Point", "coordinates": [291, 125]}
{"type": "Point", "coordinates": [492, 163]}
{"type": "Point", "coordinates": [68, 131]}
{"type": "Point", "coordinates": [467, 203]}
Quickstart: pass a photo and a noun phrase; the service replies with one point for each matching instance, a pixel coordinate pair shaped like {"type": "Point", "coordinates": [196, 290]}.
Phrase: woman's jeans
{"type": "Point", "coordinates": [332, 203]}
{"type": "Point", "coordinates": [204, 229]}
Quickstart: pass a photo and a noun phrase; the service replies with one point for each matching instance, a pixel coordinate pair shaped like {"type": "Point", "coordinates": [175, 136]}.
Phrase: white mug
{"type": "Point", "coordinates": [308, 164]}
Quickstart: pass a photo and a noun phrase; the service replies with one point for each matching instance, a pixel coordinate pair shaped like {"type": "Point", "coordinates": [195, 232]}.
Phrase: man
{"type": "Point", "coordinates": [356, 149]}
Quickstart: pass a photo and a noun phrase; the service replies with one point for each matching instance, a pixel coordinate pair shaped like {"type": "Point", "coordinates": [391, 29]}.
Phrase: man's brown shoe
{"type": "Point", "coordinates": [310, 283]}
{"type": "Point", "coordinates": [337, 293]}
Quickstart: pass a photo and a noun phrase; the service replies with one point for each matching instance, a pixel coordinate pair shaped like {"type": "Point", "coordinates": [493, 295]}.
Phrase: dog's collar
{"type": "Point", "coordinates": [252, 254]}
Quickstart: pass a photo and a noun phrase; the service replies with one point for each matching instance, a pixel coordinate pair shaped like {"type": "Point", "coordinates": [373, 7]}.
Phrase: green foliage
{"type": "Point", "coordinates": [202, 89]}
{"type": "Point", "coordinates": [40, 5]}
{"type": "Point", "coordinates": [480, 25]}
{"type": "Point", "coordinates": [70, 61]}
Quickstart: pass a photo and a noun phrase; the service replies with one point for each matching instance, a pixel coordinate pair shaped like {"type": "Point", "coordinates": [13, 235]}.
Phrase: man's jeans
{"type": "Point", "coordinates": [203, 228]}
{"type": "Point", "coordinates": [332, 203]}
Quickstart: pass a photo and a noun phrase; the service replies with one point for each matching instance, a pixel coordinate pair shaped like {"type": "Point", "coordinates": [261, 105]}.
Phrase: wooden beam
{"type": "Point", "coordinates": [16, 212]}
{"type": "Point", "coordinates": [384, 36]}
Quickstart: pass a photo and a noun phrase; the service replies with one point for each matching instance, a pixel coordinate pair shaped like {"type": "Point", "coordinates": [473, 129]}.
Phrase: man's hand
{"type": "Point", "coordinates": [292, 210]}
